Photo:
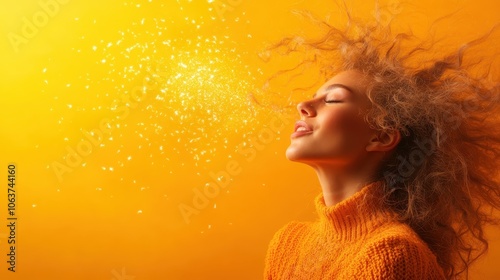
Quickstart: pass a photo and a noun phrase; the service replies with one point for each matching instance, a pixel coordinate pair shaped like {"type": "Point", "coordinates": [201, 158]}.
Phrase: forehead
{"type": "Point", "coordinates": [354, 80]}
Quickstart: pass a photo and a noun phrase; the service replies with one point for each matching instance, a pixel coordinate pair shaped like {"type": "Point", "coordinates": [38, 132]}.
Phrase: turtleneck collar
{"type": "Point", "coordinates": [355, 216]}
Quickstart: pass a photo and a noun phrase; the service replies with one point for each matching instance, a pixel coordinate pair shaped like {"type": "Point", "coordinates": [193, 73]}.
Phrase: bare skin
{"type": "Point", "coordinates": [335, 141]}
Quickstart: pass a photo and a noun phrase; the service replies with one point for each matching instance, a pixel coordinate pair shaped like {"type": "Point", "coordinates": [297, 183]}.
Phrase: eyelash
{"type": "Point", "coordinates": [333, 101]}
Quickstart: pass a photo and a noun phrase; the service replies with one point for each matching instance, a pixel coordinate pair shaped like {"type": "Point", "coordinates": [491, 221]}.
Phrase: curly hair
{"type": "Point", "coordinates": [443, 177]}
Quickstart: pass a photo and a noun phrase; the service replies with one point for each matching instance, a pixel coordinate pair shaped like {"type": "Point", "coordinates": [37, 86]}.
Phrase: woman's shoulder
{"type": "Point", "coordinates": [291, 229]}
{"type": "Point", "coordinates": [396, 235]}
{"type": "Point", "coordinates": [285, 243]}
{"type": "Point", "coordinates": [395, 231]}
{"type": "Point", "coordinates": [289, 235]}
{"type": "Point", "coordinates": [397, 250]}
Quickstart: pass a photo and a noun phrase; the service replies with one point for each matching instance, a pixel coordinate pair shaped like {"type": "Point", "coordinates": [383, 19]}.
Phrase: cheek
{"type": "Point", "coordinates": [344, 128]}
{"type": "Point", "coordinates": [343, 121]}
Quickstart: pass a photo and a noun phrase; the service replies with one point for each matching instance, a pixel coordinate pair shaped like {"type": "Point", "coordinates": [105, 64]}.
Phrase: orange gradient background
{"type": "Point", "coordinates": [118, 113]}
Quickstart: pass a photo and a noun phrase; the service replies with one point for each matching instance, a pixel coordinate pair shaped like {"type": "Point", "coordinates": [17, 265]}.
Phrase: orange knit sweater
{"type": "Point", "coordinates": [350, 242]}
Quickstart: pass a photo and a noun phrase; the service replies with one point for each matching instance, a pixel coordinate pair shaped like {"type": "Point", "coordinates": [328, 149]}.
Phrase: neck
{"type": "Point", "coordinates": [339, 184]}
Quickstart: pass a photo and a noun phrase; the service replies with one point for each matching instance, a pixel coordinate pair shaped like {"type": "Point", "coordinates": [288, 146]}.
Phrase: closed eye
{"type": "Point", "coordinates": [333, 101]}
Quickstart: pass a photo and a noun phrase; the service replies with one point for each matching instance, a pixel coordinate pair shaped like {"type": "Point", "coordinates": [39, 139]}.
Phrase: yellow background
{"type": "Point", "coordinates": [165, 88]}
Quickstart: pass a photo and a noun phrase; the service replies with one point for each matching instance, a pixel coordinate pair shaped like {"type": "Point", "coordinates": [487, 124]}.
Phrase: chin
{"type": "Point", "coordinates": [293, 154]}
{"type": "Point", "coordinates": [291, 157]}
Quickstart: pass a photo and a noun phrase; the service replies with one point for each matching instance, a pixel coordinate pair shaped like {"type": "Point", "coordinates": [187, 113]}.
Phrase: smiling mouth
{"type": "Point", "coordinates": [301, 129]}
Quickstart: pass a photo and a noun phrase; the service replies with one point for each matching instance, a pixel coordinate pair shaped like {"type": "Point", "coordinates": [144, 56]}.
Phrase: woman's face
{"type": "Point", "coordinates": [331, 129]}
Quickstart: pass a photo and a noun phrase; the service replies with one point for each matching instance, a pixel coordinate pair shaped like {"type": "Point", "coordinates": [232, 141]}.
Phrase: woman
{"type": "Point", "coordinates": [406, 148]}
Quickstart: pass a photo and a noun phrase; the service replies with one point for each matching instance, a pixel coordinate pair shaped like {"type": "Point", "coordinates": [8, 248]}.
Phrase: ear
{"type": "Point", "coordinates": [384, 141]}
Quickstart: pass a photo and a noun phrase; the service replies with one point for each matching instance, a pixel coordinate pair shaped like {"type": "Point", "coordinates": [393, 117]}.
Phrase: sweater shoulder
{"type": "Point", "coordinates": [288, 233]}
{"type": "Point", "coordinates": [398, 252]}
{"type": "Point", "coordinates": [283, 241]}
{"type": "Point", "coordinates": [398, 235]}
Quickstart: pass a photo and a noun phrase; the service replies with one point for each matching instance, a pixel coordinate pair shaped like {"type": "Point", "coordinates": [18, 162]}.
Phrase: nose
{"type": "Point", "coordinates": [306, 109]}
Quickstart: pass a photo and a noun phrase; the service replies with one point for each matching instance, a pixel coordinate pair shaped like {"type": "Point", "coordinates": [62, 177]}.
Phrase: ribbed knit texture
{"type": "Point", "coordinates": [350, 242]}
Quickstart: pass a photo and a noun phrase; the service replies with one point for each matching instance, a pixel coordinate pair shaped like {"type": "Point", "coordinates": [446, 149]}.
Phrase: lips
{"type": "Point", "coordinates": [301, 129]}
{"type": "Point", "coordinates": [302, 126]}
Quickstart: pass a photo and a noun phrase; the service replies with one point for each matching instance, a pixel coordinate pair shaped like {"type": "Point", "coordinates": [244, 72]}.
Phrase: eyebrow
{"type": "Point", "coordinates": [332, 86]}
